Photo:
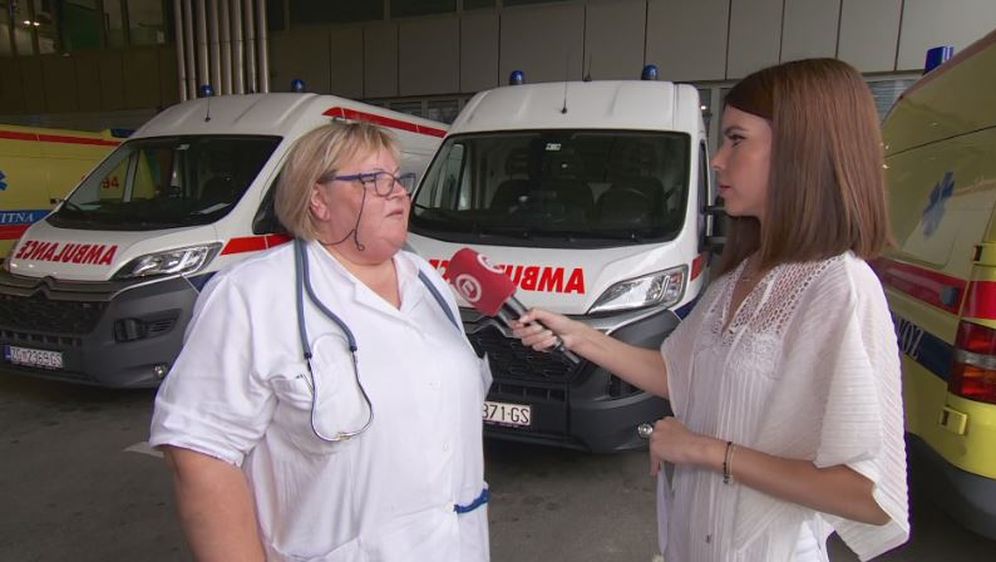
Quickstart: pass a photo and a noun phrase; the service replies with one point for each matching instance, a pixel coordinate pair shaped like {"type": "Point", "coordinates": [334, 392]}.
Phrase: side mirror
{"type": "Point", "coordinates": [714, 238]}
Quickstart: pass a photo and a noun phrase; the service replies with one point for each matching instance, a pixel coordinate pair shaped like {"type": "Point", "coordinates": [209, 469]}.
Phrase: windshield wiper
{"type": "Point", "coordinates": [509, 231]}
{"type": "Point", "coordinates": [633, 235]}
{"type": "Point", "coordinates": [70, 205]}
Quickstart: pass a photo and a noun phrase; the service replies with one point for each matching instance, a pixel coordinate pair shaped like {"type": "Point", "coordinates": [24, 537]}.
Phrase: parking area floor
{"type": "Point", "coordinates": [77, 483]}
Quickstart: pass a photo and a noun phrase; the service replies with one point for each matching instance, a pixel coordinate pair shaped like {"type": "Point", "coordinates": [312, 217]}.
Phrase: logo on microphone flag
{"type": "Point", "coordinates": [468, 287]}
{"type": "Point", "coordinates": [486, 264]}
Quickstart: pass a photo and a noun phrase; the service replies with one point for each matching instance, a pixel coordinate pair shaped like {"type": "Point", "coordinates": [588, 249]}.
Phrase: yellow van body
{"type": "Point", "coordinates": [940, 143]}
{"type": "Point", "coordinates": [39, 166]}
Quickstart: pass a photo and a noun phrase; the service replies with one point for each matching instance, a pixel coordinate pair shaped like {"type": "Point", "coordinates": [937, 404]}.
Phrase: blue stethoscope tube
{"type": "Point", "coordinates": [303, 278]}
{"type": "Point", "coordinates": [303, 286]}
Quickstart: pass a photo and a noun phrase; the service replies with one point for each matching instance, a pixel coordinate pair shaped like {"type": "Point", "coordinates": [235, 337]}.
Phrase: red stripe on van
{"type": "Point", "coordinates": [13, 232]}
{"type": "Point", "coordinates": [274, 240]}
{"type": "Point", "coordinates": [383, 121]}
{"type": "Point", "coordinates": [245, 244]}
{"type": "Point", "coordinates": [981, 300]}
{"type": "Point", "coordinates": [936, 289]}
{"type": "Point", "coordinates": [32, 137]}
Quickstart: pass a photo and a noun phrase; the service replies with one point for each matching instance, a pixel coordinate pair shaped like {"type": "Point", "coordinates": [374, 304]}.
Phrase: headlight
{"type": "Point", "coordinates": [172, 262]}
{"type": "Point", "coordinates": [5, 264]}
{"type": "Point", "coordinates": [664, 288]}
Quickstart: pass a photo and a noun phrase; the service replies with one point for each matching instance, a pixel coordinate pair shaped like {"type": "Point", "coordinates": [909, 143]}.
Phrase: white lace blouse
{"type": "Point", "coordinates": [808, 368]}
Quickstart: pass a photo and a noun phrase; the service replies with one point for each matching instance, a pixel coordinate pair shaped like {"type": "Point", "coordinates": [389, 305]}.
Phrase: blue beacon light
{"type": "Point", "coordinates": [297, 85]}
{"type": "Point", "coordinates": [649, 72]}
{"type": "Point", "coordinates": [936, 57]}
{"type": "Point", "coordinates": [205, 91]}
{"type": "Point", "coordinates": [516, 78]}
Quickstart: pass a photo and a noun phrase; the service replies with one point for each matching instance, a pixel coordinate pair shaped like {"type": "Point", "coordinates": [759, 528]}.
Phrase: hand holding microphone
{"type": "Point", "coordinates": [492, 293]}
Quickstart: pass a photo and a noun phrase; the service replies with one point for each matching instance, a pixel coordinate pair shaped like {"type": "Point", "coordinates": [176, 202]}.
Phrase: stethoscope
{"type": "Point", "coordinates": [303, 287]}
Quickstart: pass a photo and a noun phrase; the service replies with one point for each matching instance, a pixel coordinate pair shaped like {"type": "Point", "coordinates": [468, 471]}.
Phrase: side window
{"type": "Point", "coordinates": [147, 182]}
{"type": "Point", "coordinates": [112, 185]}
{"type": "Point", "coordinates": [444, 187]}
{"type": "Point", "coordinates": [265, 221]}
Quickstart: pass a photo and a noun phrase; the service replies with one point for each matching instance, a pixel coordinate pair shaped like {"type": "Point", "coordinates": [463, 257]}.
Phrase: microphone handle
{"type": "Point", "coordinates": [511, 310]}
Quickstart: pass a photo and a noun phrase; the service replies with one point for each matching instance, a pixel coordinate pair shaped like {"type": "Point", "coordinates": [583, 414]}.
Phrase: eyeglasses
{"type": "Point", "coordinates": [382, 182]}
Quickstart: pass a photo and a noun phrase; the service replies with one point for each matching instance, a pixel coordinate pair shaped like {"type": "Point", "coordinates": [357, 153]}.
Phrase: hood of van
{"type": "Point", "coordinates": [89, 255]}
{"type": "Point", "coordinates": [568, 281]}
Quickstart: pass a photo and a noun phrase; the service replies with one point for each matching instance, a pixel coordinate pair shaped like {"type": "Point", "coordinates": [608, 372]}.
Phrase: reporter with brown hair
{"type": "Point", "coordinates": [784, 380]}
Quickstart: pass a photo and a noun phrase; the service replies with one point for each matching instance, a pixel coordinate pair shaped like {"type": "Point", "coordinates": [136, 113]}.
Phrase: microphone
{"type": "Point", "coordinates": [491, 292]}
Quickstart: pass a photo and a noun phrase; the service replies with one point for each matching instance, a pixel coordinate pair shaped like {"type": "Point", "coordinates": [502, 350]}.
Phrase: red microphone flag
{"type": "Point", "coordinates": [479, 282]}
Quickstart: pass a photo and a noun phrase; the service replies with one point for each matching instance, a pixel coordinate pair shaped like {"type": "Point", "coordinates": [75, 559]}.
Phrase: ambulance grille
{"type": "Point", "coordinates": [38, 314]}
{"type": "Point", "coordinates": [512, 361]}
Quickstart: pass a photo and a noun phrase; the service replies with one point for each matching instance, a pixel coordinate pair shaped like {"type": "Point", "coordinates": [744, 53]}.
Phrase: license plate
{"type": "Point", "coordinates": [32, 357]}
{"type": "Point", "coordinates": [503, 413]}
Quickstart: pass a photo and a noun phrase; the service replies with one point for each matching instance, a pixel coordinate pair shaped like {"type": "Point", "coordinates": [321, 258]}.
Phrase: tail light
{"type": "Point", "coordinates": [974, 372]}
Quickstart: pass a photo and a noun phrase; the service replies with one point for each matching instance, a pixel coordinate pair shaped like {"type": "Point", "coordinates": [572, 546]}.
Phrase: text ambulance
{"type": "Point", "coordinates": [941, 279]}
{"type": "Point", "coordinates": [100, 291]}
{"type": "Point", "coordinates": [38, 167]}
{"type": "Point", "coordinates": [589, 195]}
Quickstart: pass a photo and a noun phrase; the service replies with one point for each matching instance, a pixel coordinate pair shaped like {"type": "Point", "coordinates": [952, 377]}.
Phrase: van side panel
{"type": "Point", "coordinates": [940, 141]}
{"type": "Point", "coordinates": [38, 165]}
{"type": "Point", "coordinates": [942, 196]}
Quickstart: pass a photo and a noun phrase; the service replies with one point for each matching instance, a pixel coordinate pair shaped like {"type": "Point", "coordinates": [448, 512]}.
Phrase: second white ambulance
{"type": "Point", "coordinates": [591, 197]}
{"type": "Point", "coordinates": [100, 290]}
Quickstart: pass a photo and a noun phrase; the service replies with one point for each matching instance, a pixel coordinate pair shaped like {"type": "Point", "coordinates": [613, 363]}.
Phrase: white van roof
{"type": "Point", "coordinates": [281, 114]}
{"type": "Point", "coordinates": [608, 104]}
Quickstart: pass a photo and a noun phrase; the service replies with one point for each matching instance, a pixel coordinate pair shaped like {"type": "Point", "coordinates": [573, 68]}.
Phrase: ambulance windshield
{"type": "Point", "coordinates": [556, 188]}
{"type": "Point", "coordinates": [166, 182]}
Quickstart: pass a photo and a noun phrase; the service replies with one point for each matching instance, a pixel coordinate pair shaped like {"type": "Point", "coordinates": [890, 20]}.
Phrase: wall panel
{"type": "Point", "coordinates": [169, 81]}
{"type": "Point", "coordinates": [545, 42]}
{"type": "Point", "coordinates": [380, 60]}
{"type": "Point", "coordinates": [60, 83]}
{"type": "Point", "coordinates": [614, 38]}
{"type": "Point", "coordinates": [141, 72]}
{"type": "Point", "coordinates": [429, 56]}
{"type": "Point", "coordinates": [111, 80]}
{"type": "Point", "coordinates": [11, 91]}
{"type": "Point", "coordinates": [687, 40]}
{"type": "Point", "coordinates": [478, 51]}
{"type": "Point", "coordinates": [303, 53]}
{"type": "Point", "coordinates": [33, 83]}
{"type": "Point", "coordinates": [86, 66]}
{"type": "Point", "coordinates": [755, 36]}
{"type": "Point", "coordinates": [929, 23]}
{"type": "Point", "coordinates": [869, 30]}
{"type": "Point", "coordinates": [810, 29]}
{"type": "Point", "coordinates": [347, 61]}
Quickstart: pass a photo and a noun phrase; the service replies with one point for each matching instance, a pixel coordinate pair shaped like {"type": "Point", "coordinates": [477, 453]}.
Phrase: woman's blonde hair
{"type": "Point", "coordinates": [322, 152]}
{"type": "Point", "coordinates": [826, 188]}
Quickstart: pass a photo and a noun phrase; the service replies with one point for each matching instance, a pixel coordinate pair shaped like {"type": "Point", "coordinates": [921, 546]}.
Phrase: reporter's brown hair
{"type": "Point", "coordinates": [826, 192]}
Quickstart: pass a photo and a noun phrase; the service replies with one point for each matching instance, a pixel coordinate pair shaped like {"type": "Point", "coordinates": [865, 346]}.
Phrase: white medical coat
{"type": "Point", "coordinates": [240, 392]}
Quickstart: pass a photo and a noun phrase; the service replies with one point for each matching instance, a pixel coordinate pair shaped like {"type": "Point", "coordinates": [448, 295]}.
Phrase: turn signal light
{"type": "Point", "coordinates": [973, 375]}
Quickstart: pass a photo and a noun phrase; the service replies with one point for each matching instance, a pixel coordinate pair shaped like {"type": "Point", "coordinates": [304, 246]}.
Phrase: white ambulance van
{"type": "Point", "coordinates": [591, 196]}
{"type": "Point", "coordinates": [100, 291]}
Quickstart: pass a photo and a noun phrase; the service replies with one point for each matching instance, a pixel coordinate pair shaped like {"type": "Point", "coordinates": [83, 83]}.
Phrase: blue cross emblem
{"type": "Point", "coordinates": [935, 208]}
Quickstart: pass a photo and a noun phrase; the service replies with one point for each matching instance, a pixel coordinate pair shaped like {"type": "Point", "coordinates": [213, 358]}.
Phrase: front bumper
{"type": "Point", "coordinates": [113, 334]}
{"type": "Point", "coordinates": [583, 407]}
{"type": "Point", "coordinates": [970, 499]}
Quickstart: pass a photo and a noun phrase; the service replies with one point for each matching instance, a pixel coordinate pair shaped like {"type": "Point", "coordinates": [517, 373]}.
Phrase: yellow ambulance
{"type": "Point", "coordinates": [940, 142]}
{"type": "Point", "coordinates": [39, 166]}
